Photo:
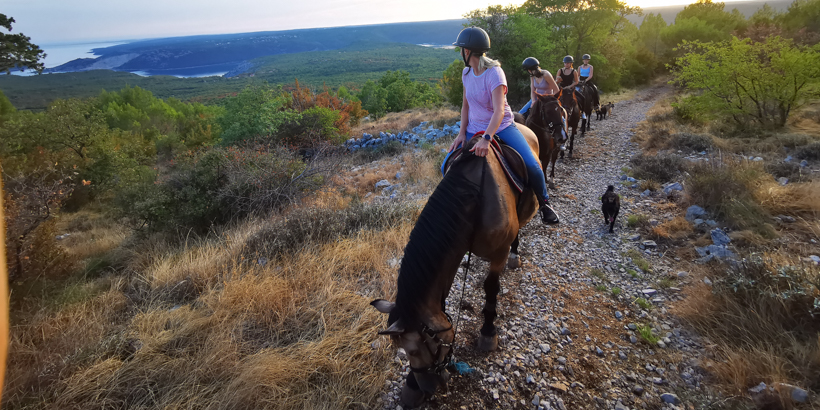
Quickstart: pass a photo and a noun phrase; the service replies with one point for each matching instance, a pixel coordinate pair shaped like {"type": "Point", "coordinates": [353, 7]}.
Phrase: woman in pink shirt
{"type": "Point", "coordinates": [484, 108]}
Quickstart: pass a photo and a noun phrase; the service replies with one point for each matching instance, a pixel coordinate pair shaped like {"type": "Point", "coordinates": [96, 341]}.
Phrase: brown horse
{"type": "Point", "coordinates": [472, 209]}
{"type": "Point", "coordinates": [587, 105]}
{"type": "Point", "coordinates": [546, 121]}
{"type": "Point", "coordinates": [569, 100]}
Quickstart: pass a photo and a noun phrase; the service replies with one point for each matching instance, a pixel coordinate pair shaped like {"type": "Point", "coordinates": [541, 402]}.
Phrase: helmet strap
{"type": "Point", "coordinates": [467, 57]}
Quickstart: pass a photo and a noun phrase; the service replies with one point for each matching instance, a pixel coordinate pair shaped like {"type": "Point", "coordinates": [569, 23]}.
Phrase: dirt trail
{"type": "Point", "coordinates": [566, 340]}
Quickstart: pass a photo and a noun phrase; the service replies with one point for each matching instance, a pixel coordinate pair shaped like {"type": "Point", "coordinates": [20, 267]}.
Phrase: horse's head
{"type": "Point", "coordinates": [547, 114]}
{"type": "Point", "coordinates": [428, 345]}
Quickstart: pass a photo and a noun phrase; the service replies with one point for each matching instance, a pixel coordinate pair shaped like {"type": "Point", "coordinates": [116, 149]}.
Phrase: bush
{"type": "Point", "coordinates": [662, 167]}
{"type": "Point", "coordinates": [216, 185]}
{"type": "Point", "coordinates": [809, 152]}
{"type": "Point", "coordinates": [692, 142]}
{"type": "Point", "coordinates": [790, 170]}
{"type": "Point", "coordinates": [726, 190]}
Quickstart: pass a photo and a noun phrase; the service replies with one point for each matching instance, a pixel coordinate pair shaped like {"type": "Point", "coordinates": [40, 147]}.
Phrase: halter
{"type": "Point", "coordinates": [551, 126]}
{"type": "Point", "coordinates": [439, 363]}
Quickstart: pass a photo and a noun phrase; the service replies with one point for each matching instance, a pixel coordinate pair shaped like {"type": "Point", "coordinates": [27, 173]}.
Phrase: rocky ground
{"type": "Point", "coordinates": [570, 318]}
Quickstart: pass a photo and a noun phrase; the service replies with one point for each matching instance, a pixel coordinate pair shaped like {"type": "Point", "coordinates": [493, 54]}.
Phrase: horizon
{"type": "Point", "coordinates": [45, 21]}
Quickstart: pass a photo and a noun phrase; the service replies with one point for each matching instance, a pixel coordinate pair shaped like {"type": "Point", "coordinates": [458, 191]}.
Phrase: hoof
{"type": "Point", "coordinates": [513, 261]}
{"type": "Point", "coordinates": [488, 343]}
{"type": "Point", "coordinates": [552, 185]}
{"type": "Point", "coordinates": [411, 398]}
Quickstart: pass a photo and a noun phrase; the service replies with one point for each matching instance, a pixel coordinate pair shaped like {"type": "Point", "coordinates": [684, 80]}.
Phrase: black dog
{"type": "Point", "coordinates": [611, 205]}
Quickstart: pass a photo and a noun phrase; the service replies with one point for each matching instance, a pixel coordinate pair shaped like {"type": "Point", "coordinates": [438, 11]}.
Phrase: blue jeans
{"type": "Point", "coordinates": [514, 138]}
{"type": "Point", "coordinates": [525, 108]}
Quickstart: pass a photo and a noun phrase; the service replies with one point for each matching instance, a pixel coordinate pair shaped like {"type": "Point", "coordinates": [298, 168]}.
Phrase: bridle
{"type": "Point", "coordinates": [551, 126]}
{"type": "Point", "coordinates": [440, 362]}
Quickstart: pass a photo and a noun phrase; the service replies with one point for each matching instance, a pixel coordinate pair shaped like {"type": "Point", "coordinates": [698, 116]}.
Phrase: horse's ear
{"type": "Point", "coordinates": [395, 329]}
{"type": "Point", "coordinates": [383, 306]}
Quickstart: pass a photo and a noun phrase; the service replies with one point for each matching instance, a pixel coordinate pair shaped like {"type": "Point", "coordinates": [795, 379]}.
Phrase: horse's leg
{"type": "Point", "coordinates": [488, 339]}
{"type": "Point", "coordinates": [552, 171]}
{"type": "Point", "coordinates": [571, 142]}
{"type": "Point", "coordinates": [514, 261]}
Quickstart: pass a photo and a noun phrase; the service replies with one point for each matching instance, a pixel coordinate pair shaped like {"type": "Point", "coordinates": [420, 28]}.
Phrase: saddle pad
{"type": "Point", "coordinates": [510, 160]}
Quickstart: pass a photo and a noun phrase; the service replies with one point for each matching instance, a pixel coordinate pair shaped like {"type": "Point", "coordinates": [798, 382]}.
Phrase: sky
{"type": "Point", "coordinates": [74, 21]}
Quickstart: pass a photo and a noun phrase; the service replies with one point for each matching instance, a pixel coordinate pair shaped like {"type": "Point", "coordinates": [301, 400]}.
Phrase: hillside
{"type": "Point", "coordinates": [350, 66]}
{"type": "Point", "coordinates": [747, 8]}
{"type": "Point", "coordinates": [193, 55]}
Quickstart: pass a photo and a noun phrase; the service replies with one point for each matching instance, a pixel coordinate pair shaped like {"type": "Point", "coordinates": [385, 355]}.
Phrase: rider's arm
{"type": "Point", "coordinates": [575, 76]}
{"type": "Point", "coordinates": [532, 89]}
{"type": "Point", "coordinates": [498, 109]}
{"type": "Point", "coordinates": [590, 73]}
{"type": "Point", "coordinates": [551, 82]}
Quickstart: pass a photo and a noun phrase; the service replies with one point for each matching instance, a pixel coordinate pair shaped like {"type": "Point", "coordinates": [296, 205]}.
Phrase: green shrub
{"type": "Point", "coordinates": [616, 291]}
{"type": "Point", "coordinates": [643, 303]}
{"type": "Point", "coordinates": [646, 333]}
{"type": "Point", "coordinates": [692, 142]}
{"type": "Point", "coordinates": [637, 220]}
{"type": "Point", "coordinates": [664, 167]}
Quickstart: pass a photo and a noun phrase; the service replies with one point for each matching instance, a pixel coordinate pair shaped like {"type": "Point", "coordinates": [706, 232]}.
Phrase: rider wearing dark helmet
{"type": "Point", "coordinates": [586, 72]}
{"type": "Point", "coordinates": [569, 79]}
{"type": "Point", "coordinates": [484, 108]}
{"type": "Point", "coordinates": [541, 82]}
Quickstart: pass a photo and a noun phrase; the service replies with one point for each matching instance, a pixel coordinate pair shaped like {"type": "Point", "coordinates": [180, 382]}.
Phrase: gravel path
{"type": "Point", "coordinates": [566, 341]}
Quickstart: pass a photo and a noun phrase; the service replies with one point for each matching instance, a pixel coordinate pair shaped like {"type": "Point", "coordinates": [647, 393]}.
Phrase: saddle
{"type": "Point", "coordinates": [511, 161]}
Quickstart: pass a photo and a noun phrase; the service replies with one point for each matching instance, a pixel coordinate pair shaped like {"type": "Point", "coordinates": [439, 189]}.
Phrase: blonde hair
{"type": "Point", "coordinates": [485, 62]}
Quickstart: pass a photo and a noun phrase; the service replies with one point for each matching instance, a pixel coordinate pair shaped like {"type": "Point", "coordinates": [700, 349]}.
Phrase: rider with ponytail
{"type": "Point", "coordinates": [541, 82]}
{"type": "Point", "coordinates": [586, 72]}
{"type": "Point", "coordinates": [484, 108]}
{"type": "Point", "coordinates": [569, 79]}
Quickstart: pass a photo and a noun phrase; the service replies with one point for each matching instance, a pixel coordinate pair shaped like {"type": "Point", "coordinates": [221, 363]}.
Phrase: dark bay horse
{"type": "Point", "coordinates": [569, 100]}
{"type": "Point", "coordinates": [545, 120]}
{"type": "Point", "coordinates": [587, 105]}
{"type": "Point", "coordinates": [473, 208]}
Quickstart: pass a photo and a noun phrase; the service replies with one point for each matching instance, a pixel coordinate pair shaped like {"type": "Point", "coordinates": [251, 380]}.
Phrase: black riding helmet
{"type": "Point", "coordinates": [569, 59]}
{"type": "Point", "coordinates": [585, 57]}
{"type": "Point", "coordinates": [473, 39]}
{"type": "Point", "coordinates": [530, 63]}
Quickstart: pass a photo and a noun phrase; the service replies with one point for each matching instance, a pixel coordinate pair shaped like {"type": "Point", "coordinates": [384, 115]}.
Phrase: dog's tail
{"type": "Point", "coordinates": [610, 188]}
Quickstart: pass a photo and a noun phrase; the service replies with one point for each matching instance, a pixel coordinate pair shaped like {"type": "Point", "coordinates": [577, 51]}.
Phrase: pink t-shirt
{"type": "Point", "coordinates": [479, 92]}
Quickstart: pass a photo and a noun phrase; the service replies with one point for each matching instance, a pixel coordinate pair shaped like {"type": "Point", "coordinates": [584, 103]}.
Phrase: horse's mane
{"type": "Point", "coordinates": [445, 225]}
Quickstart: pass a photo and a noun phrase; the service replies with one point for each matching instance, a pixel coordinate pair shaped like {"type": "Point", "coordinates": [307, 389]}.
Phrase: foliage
{"type": "Point", "coordinates": [214, 186]}
{"type": "Point", "coordinates": [692, 142]}
{"type": "Point", "coordinates": [646, 334]}
{"type": "Point", "coordinates": [17, 51]}
{"type": "Point", "coordinates": [661, 167]}
{"type": "Point", "coordinates": [757, 84]}
{"type": "Point", "coordinates": [450, 84]}
{"type": "Point", "coordinates": [395, 92]}
{"type": "Point", "coordinates": [810, 152]}
{"type": "Point", "coordinates": [802, 20]}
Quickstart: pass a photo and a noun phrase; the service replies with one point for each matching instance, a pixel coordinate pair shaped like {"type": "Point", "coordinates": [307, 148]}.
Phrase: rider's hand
{"type": "Point", "coordinates": [481, 148]}
{"type": "Point", "coordinates": [462, 136]}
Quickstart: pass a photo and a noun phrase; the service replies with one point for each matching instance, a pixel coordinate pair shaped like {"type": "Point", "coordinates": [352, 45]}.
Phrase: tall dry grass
{"type": "Point", "coordinates": [271, 313]}
{"type": "Point", "coordinates": [406, 120]}
{"type": "Point", "coordinates": [759, 321]}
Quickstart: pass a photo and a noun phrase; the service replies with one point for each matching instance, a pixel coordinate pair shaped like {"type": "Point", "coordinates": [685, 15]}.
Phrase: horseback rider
{"type": "Point", "coordinates": [484, 108]}
{"type": "Point", "coordinates": [569, 79]}
{"type": "Point", "coordinates": [541, 82]}
{"type": "Point", "coordinates": [586, 72]}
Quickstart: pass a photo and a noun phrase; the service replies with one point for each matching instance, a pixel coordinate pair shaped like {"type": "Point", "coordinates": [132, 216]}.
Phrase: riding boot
{"type": "Point", "coordinates": [548, 215]}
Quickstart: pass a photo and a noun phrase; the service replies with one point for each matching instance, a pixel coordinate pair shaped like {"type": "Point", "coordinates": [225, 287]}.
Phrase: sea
{"type": "Point", "coordinates": [61, 53]}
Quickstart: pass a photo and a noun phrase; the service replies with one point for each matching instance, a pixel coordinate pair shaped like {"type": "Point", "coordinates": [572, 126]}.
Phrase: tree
{"type": "Point", "coordinates": [802, 20]}
{"type": "Point", "coordinates": [450, 84]}
{"type": "Point", "coordinates": [755, 84]}
{"type": "Point", "coordinates": [703, 21]}
{"type": "Point", "coordinates": [17, 51]}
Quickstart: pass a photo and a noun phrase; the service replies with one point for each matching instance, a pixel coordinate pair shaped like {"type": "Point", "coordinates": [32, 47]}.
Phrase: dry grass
{"type": "Point", "coordinates": [677, 228]}
{"type": "Point", "coordinates": [210, 325]}
{"type": "Point", "coordinates": [757, 332]}
{"type": "Point", "coordinates": [406, 120]}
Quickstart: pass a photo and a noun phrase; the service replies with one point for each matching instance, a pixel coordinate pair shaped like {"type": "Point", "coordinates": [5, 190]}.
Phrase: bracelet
{"type": "Point", "coordinates": [487, 137]}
